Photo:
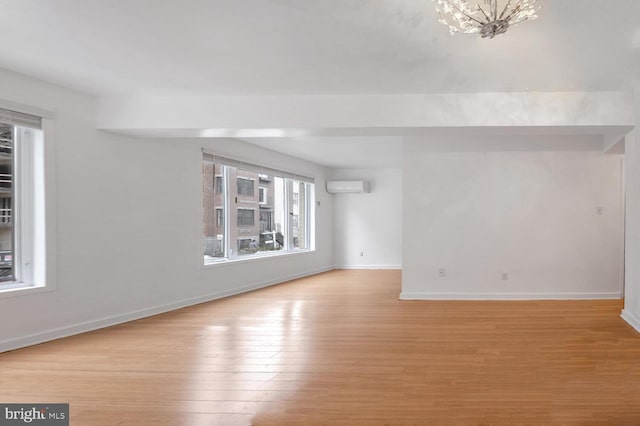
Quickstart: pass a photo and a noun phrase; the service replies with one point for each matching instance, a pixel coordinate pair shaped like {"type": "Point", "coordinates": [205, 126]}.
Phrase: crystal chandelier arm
{"type": "Point", "coordinates": [464, 13]}
{"type": "Point", "coordinates": [506, 7]}
{"type": "Point", "coordinates": [518, 8]}
{"type": "Point", "coordinates": [526, 18]}
{"type": "Point", "coordinates": [484, 13]}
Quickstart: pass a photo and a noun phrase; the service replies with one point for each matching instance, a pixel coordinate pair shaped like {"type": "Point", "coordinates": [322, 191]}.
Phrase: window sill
{"type": "Point", "coordinates": [252, 258]}
{"type": "Point", "coordinates": [19, 289]}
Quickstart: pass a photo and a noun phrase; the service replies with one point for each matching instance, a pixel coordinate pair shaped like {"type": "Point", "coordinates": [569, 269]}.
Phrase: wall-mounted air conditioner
{"type": "Point", "coordinates": [344, 186]}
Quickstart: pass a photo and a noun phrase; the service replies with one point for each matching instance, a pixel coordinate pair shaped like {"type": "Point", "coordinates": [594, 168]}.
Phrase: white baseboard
{"type": "Point", "coordinates": [631, 318]}
{"type": "Point", "coordinates": [368, 267]}
{"type": "Point", "coordinates": [508, 296]}
{"type": "Point", "coordinates": [57, 333]}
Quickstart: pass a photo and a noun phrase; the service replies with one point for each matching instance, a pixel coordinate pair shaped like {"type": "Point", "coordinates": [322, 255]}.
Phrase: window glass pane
{"type": "Point", "coordinates": [299, 215]}
{"type": "Point", "coordinates": [245, 231]}
{"type": "Point", "coordinates": [245, 186]}
{"type": "Point", "coordinates": [250, 213]}
{"type": "Point", "coordinates": [268, 209]}
{"type": "Point", "coordinates": [246, 217]}
{"type": "Point", "coordinates": [213, 198]}
{"type": "Point", "coordinates": [256, 223]}
{"type": "Point", "coordinates": [266, 220]}
{"type": "Point", "coordinates": [263, 198]}
{"type": "Point", "coordinates": [278, 230]}
{"type": "Point", "coordinates": [6, 203]}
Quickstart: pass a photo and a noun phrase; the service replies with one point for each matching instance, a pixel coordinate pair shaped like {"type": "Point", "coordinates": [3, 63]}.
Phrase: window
{"type": "Point", "coordinates": [244, 243]}
{"type": "Point", "coordinates": [22, 213]}
{"type": "Point", "coordinates": [266, 221]}
{"type": "Point", "coordinates": [262, 195]}
{"type": "Point", "coordinates": [245, 187]}
{"type": "Point", "coordinates": [299, 214]}
{"type": "Point", "coordinates": [214, 204]}
{"type": "Point", "coordinates": [7, 229]}
{"type": "Point", "coordinates": [275, 219]}
{"type": "Point", "coordinates": [246, 217]}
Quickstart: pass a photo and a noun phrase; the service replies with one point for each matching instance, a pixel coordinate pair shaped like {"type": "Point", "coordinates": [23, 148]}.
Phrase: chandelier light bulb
{"type": "Point", "coordinates": [485, 17]}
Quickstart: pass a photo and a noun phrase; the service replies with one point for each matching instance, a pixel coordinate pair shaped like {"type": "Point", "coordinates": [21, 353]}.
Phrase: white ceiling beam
{"type": "Point", "coordinates": [613, 144]}
{"type": "Point", "coordinates": [272, 116]}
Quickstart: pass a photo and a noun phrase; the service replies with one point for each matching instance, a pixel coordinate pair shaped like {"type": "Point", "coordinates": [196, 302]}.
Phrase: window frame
{"type": "Point", "coordinates": [37, 241]}
{"type": "Point", "coordinates": [234, 168]}
{"type": "Point", "coordinates": [263, 192]}
{"type": "Point", "coordinates": [295, 206]}
{"type": "Point", "coordinates": [10, 218]}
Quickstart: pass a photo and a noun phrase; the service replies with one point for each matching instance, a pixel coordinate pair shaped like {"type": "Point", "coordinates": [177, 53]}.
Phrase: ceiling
{"type": "Point", "coordinates": [310, 47]}
{"type": "Point", "coordinates": [291, 47]}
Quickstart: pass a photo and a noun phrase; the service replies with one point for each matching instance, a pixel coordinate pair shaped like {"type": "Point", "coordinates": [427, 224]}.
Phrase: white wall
{"type": "Point", "coordinates": [631, 312]}
{"type": "Point", "coordinates": [370, 223]}
{"type": "Point", "coordinates": [129, 225]}
{"type": "Point", "coordinates": [532, 215]}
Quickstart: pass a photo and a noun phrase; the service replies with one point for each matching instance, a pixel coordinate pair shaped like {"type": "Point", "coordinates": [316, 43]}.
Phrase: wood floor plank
{"type": "Point", "coordinates": [340, 349]}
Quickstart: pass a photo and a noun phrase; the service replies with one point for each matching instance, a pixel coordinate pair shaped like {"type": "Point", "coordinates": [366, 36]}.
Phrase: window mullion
{"type": "Point", "coordinates": [26, 230]}
{"type": "Point", "coordinates": [16, 213]}
{"type": "Point", "coordinates": [227, 212]}
{"type": "Point", "coordinates": [288, 214]}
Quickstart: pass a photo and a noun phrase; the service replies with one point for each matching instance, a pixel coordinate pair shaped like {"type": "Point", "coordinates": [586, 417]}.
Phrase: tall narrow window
{"type": "Point", "coordinates": [263, 211]}
{"type": "Point", "coordinates": [7, 272]}
{"type": "Point", "coordinates": [266, 221]}
{"type": "Point", "coordinates": [22, 227]}
{"type": "Point", "coordinates": [299, 214]}
{"type": "Point", "coordinates": [214, 208]}
{"type": "Point", "coordinates": [262, 197]}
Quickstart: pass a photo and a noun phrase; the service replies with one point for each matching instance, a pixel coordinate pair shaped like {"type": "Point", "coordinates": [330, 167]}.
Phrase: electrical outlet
{"type": "Point", "coordinates": [361, 253]}
{"type": "Point", "coordinates": [505, 276]}
{"type": "Point", "coordinates": [442, 272]}
{"type": "Point", "coordinates": [317, 203]}
{"type": "Point", "coordinates": [599, 210]}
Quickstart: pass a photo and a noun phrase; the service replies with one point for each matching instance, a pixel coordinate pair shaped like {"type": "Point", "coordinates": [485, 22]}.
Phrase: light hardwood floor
{"type": "Point", "coordinates": [340, 348]}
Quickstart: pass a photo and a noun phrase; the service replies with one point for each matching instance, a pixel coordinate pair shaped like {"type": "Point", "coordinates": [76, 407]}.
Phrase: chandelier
{"type": "Point", "coordinates": [489, 19]}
